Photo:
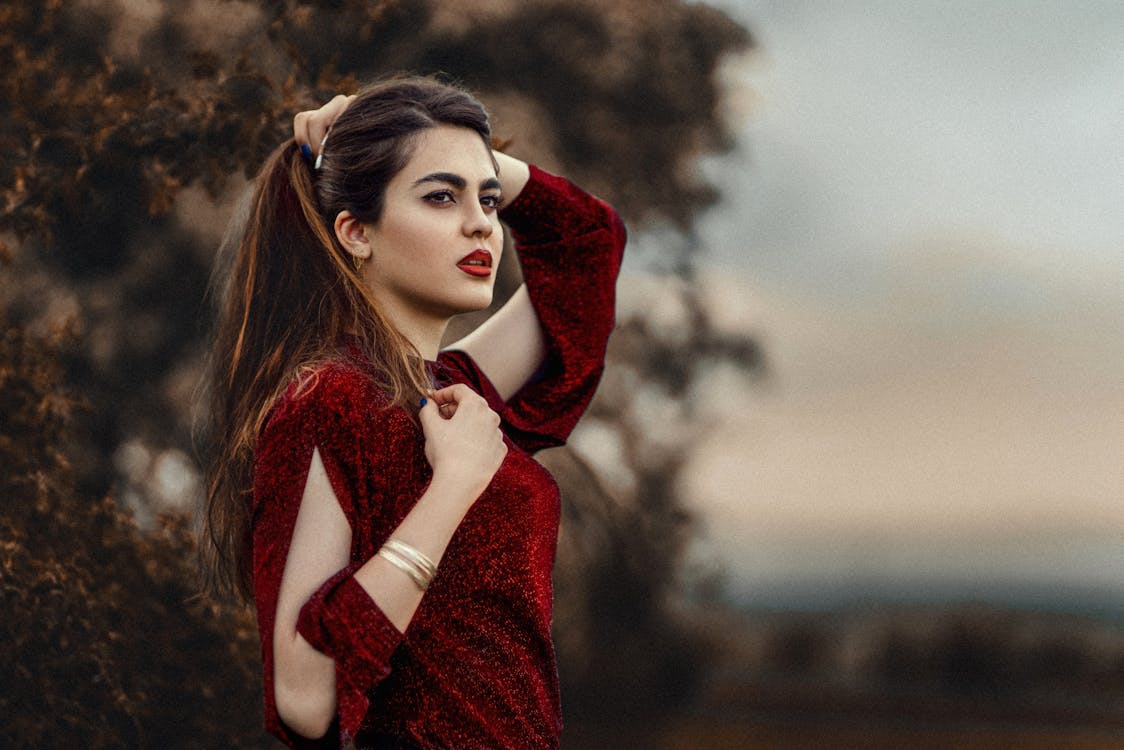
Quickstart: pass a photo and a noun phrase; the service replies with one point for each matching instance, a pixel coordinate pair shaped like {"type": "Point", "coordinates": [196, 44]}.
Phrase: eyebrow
{"type": "Point", "coordinates": [448, 178]}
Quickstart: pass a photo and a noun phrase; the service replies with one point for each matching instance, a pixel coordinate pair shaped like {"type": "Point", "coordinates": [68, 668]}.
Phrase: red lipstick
{"type": "Point", "coordinates": [476, 263]}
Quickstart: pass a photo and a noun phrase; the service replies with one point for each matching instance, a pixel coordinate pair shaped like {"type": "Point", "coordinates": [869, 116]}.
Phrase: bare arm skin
{"type": "Point", "coordinates": [465, 448]}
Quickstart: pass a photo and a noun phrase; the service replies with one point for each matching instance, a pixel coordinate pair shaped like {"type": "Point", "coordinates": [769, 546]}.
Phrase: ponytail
{"type": "Point", "coordinates": [291, 298]}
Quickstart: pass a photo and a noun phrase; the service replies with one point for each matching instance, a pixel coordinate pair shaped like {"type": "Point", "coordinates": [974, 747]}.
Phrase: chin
{"type": "Point", "coordinates": [482, 305]}
{"type": "Point", "coordinates": [480, 301]}
{"type": "Point", "coordinates": [467, 305]}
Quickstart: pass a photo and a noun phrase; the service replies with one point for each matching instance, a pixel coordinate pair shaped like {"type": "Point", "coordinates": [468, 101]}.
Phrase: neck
{"type": "Point", "coordinates": [424, 332]}
{"type": "Point", "coordinates": [428, 343]}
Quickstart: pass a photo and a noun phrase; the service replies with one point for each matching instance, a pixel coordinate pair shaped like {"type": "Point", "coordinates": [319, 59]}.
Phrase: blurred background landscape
{"type": "Point", "coordinates": [853, 475]}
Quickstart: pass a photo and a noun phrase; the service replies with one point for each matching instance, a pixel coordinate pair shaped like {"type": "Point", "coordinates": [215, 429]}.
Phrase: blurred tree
{"type": "Point", "coordinates": [130, 129]}
{"type": "Point", "coordinates": [109, 114]}
{"type": "Point", "coordinates": [102, 641]}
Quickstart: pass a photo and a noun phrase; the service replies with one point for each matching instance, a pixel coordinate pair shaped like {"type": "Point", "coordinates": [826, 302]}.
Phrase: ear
{"type": "Point", "coordinates": [352, 234]}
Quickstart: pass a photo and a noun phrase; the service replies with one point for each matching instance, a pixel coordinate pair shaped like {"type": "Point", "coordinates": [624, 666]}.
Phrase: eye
{"type": "Point", "coordinates": [440, 197]}
{"type": "Point", "coordinates": [491, 201]}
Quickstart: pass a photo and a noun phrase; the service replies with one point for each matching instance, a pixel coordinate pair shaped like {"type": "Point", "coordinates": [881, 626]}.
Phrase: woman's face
{"type": "Point", "coordinates": [436, 248]}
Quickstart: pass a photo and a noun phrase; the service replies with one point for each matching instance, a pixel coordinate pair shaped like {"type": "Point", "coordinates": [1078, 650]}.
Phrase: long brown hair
{"type": "Point", "coordinates": [292, 294]}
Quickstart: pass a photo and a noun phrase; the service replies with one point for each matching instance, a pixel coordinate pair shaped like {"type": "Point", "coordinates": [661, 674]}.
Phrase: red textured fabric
{"type": "Point", "coordinates": [476, 667]}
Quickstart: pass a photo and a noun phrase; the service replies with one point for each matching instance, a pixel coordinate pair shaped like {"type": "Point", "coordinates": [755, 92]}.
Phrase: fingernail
{"type": "Point", "coordinates": [424, 401]}
{"type": "Point", "coordinates": [306, 151]}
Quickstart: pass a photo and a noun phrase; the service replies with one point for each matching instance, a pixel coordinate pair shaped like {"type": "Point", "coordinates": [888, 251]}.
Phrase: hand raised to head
{"type": "Point", "coordinates": [311, 127]}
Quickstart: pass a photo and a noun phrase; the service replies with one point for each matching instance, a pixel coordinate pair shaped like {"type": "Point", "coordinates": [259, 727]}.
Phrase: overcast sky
{"type": "Point", "coordinates": [875, 122]}
{"type": "Point", "coordinates": [925, 221]}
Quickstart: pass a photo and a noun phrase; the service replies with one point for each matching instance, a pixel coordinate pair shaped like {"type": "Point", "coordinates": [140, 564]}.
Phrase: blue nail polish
{"type": "Point", "coordinates": [306, 151]}
{"type": "Point", "coordinates": [424, 401]}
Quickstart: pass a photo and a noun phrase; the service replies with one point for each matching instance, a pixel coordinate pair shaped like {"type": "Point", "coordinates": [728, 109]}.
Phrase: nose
{"type": "Point", "coordinates": [477, 223]}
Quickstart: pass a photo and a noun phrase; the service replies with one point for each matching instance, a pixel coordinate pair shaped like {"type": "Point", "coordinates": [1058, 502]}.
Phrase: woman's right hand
{"type": "Point", "coordinates": [311, 126]}
{"type": "Point", "coordinates": [463, 441]}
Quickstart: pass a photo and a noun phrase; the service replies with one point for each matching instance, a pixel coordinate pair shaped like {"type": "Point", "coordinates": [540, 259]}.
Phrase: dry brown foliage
{"type": "Point", "coordinates": [129, 130]}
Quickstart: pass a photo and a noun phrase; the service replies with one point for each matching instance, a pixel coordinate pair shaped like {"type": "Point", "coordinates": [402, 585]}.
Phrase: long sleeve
{"type": "Point", "coordinates": [339, 619]}
{"type": "Point", "coordinates": [570, 245]}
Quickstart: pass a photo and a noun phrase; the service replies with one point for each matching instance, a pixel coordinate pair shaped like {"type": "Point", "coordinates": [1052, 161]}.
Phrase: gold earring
{"type": "Point", "coordinates": [358, 263]}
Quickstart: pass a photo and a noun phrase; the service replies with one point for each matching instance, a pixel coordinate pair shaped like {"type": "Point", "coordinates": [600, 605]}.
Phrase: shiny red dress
{"type": "Point", "coordinates": [476, 667]}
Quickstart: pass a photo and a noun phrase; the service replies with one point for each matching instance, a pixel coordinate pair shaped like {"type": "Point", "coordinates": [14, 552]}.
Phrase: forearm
{"type": "Point", "coordinates": [513, 175]}
{"type": "Point", "coordinates": [428, 528]}
{"type": "Point", "coordinates": [306, 667]}
{"type": "Point", "coordinates": [465, 447]}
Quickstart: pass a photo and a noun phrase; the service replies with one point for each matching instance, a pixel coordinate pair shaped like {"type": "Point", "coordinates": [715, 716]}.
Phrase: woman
{"type": "Point", "coordinates": [375, 495]}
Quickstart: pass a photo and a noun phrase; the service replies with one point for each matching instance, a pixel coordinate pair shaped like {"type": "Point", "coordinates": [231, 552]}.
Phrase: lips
{"type": "Point", "coordinates": [476, 263]}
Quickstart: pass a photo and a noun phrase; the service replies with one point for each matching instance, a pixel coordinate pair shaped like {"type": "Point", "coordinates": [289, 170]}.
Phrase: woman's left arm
{"type": "Point", "coordinates": [570, 245]}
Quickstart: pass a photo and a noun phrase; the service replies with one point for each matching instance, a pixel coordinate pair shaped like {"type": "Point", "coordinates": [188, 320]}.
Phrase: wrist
{"type": "Point", "coordinates": [449, 486]}
{"type": "Point", "coordinates": [514, 175]}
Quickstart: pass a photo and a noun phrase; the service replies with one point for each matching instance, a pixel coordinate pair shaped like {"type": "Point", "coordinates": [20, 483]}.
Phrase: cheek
{"type": "Point", "coordinates": [422, 243]}
{"type": "Point", "coordinates": [497, 240]}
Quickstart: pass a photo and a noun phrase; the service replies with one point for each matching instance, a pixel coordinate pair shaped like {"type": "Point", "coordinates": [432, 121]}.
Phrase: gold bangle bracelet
{"type": "Point", "coordinates": [416, 575]}
{"type": "Point", "coordinates": [413, 555]}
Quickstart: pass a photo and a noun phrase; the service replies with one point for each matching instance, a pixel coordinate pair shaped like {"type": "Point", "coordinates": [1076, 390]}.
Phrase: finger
{"type": "Point", "coordinates": [321, 120]}
{"type": "Point", "coordinates": [300, 127]}
{"type": "Point", "coordinates": [454, 398]}
{"type": "Point", "coordinates": [457, 393]}
{"type": "Point", "coordinates": [300, 133]}
{"type": "Point", "coordinates": [450, 397]}
{"type": "Point", "coordinates": [428, 414]}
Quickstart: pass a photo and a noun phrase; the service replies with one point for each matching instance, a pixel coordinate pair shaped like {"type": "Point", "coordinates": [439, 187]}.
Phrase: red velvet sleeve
{"type": "Point", "coordinates": [570, 246]}
{"type": "Point", "coordinates": [339, 619]}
